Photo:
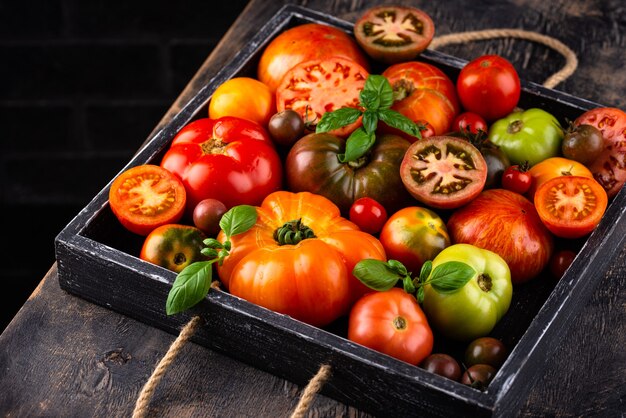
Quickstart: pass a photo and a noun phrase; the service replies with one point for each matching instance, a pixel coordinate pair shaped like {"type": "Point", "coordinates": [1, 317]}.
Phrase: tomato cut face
{"type": "Point", "coordinates": [443, 172]}
{"type": "Point", "coordinates": [393, 34]}
{"type": "Point", "coordinates": [147, 196]}
{"type": "Point", "coordinates": [571, 206]}
{"type": "Point", "coordinates": [315, 87]}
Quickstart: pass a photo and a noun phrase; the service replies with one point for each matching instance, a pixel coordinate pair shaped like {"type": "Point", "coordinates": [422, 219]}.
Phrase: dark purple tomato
{"type": "Point", "coordinates": [486, 350]}
{"type": "Point", "coordinates": [286, 127]}
{"type": "Point", "coordinates": [207, 215]}
{"type": "Point", "coordinates": [443, 365]}
{"type": "Point", "coordinates": [478, 376]}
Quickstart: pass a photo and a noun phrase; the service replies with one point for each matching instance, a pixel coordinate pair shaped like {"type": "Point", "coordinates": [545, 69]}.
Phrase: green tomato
{"type": "Point", "coordinates": [473, 310]}
{"type": "Point", "coordinates": [532, 136]}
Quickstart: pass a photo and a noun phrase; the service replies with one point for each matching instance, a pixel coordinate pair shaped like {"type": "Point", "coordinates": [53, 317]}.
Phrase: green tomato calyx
{"type": "Point", "coordinates": [292, 232]}
{"type": "Point", "coordinates": [484, 282]}
{"type": "Point", "coordinates": [515, 126]}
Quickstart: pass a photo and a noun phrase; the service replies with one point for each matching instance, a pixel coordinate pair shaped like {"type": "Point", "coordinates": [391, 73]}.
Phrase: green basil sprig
{"type": "Point", "coordinates": [193, 282]}
{"type": "Point", "coordinates": [446, 278]}
{"type": "Point", "coordinates": [376, 99]}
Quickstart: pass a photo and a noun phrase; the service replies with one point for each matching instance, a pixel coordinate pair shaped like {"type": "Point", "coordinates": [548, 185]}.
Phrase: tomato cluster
{"type": "Point", "coordinates": [410, 203]}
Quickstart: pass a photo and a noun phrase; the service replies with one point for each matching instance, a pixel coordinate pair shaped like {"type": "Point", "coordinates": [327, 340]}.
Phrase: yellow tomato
{"type": "Point", "coordinates": [243, 97]}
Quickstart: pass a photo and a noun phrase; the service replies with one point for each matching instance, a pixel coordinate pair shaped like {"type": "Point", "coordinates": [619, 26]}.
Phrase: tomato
{"type": "Point", "coordinates": [310, 41]}
{"type": "Point", "coordinates": [312, 165]}
{"type": "Point", "coordinates": [414, 235]}
{"type": "Point", "coordinates": [582, 143]}
{"type": "Point", "coordinates": [311, 279]}
{"type": "Point", "coordinates": [516, 178]}
{"type": "Point", "coordinates": [423, 93]}
{"type": "Point", "coordinates": [508, 224]}
{"type": "Point", "coordinates": [313, 88]}
{"type": "Point", "coordinates": [532, 135]}
{"type": "Point", "coordinates": [469, 121]}
{"type": "Point", "coordinates": [145, 197]}
{"type": "Point", "coordinates": [173, 246]}
{"type": "Point", "coordinates": [443, 365]}
{"type": "Point", "coordinates": [443, 172]}
{"type": "Point", "coordinates": [489, 86]}
{"type": "Point", "coordinates": [473, 310]}
{"type": "Point", "coordinates": [368, 215]}
{"type": "Point", "coordinates": [609, 169]}
{"type": "Point", "coordinates": [392, 34]}
{"type": "Point", "coordinates": [497, 163]}
{"type": "Point", "coordinates": [560, 262]}
{"type": "Point", "coordinates": [286, 127]}
{"type": "Point", "coordinates": [486, 350]}
{"type": "Point", "coordinates": [207, 215]}
{"type": "Point", "coordinates": [554, 167]}
{"type": "Point", "coordinates": [243, 97]}
{"type": "Point", "coordinates": [392, 323]}
{"type": "Point", "coordinates": [478, 376]}
{"type": "Point", "coordinates": [571, 206]}
{"type": "Point", "coordinates": [229, 159]}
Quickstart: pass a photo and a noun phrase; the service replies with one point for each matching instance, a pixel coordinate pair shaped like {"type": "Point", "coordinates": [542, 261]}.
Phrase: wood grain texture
{"type": "Point", "coordinates": [63, 356]}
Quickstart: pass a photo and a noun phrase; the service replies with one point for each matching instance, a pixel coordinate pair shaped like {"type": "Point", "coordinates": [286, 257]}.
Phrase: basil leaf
{"type": "Point", "coordinates": [337, 119]}
{"type": "Point", "coordinates": [357, 144]}
{"type": "Point", "coordinates": [426, 269]}
{"type": "Point", "coordinates": [420, 295]}
{"type": "Point", "coordinates": [408, 285]}
{"type": "Point", "coordinates": [450, 276]}
{"type": "Point", "coordinates": [397, 267]}
{"type": "Point", "coordinates": [384, 93]}
{"type": "Point", "coordinates": [190, 287]}
{"type": "Point", "coordinates": [375, 274]}
{"type": "Point", "coordinates": [238, 219]}
{"type": "Point", "coordinates": [370, 121]}
{"type": "Point", "coordinates": [399, 121]}
{"type": "Point", "coordinates": [369, 99]}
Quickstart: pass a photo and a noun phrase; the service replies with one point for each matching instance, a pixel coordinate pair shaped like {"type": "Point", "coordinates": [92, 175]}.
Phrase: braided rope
{"type": "Point", "coordinates": [311, 389]}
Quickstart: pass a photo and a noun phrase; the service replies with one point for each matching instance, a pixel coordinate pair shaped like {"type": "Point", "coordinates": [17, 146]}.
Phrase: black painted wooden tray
{"type": "Point", "coordinates": [97, 260]}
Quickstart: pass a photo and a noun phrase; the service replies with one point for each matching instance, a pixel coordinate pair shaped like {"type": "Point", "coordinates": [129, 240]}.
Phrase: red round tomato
{"type": "Point", "coordinates": [469, 121]}
{"type": "Point", "coordinates": [571, 206]}
{"type": "Point", "coordinates": [243, 97]}
{"type": "Point", "coordinates": [368, 215]}
{"type": "Point", "coordinates": [393, 323]}
{"type": "Point", "coordinates": [423, 93]}
{"type": "Point", "coordinates": [609, 169]}
{"type": "Point", "coordinates": [173, 246]}
{"type": "Point", "coordinates": [490, 86]}
{"type": "Point", "coordinates": [310, 41]}
{"type": "Point", "coordinates": [394, 34]}
{"type": "Point", "coordinates": [313, 88]}
{"type": "Point", "coordinates": [516, 178]}
{"type": "Point", "coordinates": [443, 172]}
{"type": "Point", "coordinates": [507, 224]}
{"type": "Point", "coordinates": [229, 159]}
{"type": "Point", "coordinates": [145, 197]}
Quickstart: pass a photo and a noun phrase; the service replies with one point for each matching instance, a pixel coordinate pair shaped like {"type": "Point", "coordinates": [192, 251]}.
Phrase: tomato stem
{"type": "Point", "coordinates": [515, 126]}
{"type": "Point", "coordinates": [293, 232]}
{"type": "Point", "coordinates": [484, 282]}
{"type": "Point", "coordinates": [399, 323]}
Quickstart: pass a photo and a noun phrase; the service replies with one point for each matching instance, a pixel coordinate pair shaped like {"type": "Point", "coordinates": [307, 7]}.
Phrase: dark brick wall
{"type": "Point", "coordinates": [82, 84]}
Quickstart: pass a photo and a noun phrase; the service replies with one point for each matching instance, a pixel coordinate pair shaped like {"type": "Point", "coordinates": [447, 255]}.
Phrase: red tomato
{"type": "Point", "coordinates": [313, 88]}
{"type": "Point", "coordinates": [469, 121]}
{"type": "Point", "coordinates": [173, 246]}
{"type": "Point", "coordinates": [571, 206]}
{"type": "Point", "coordinates": [609, 169]}
{"type": "Point", "coordinates": [145, 197]}
{"type": "Point", "coordinates": [245, 98]}
{"type": "Point", "coordinates": [489, 86]}
{"type": "Point", "coordinates": [517, 179]}
{"type": "Point", "coordinates": [555, 167]}
{"type": "Point", "coordinates": [560, 262]}
{"type": "Point", "coordinates": [425, 93]}
{"type": "Point", "coordinates": [368, 215]}
{"type": "Point", "coordinates": [393, 323]}
{"type": "Point", "coordinates": [229, 159]}
{"type": "Point", "coordinates": [311, 41]}
{"type": "Point", "coordinates": [443, 172]}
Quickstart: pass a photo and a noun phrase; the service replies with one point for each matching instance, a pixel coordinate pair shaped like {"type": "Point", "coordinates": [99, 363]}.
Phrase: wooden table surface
{"type": "Point", "coordinates": [63, 356]}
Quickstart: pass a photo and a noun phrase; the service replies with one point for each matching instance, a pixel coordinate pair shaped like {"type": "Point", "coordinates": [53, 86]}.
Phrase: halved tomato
{"type": "Point", "coordinates": [315, 87]}
{"type": "Point", "coordinates": [571, 206]}
{"type": "Point", "coordinates": [555, 167]}
{"type": "Point", "coordinates": [147, 196]}
{"type": "Point", "coordinates": [443, 172]}
{"type": "Point", "coordinates": [394, 33]}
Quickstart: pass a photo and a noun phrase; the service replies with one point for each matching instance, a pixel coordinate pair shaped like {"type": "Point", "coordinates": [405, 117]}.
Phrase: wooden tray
{"type": "Point", "coordinates": [97, 260]}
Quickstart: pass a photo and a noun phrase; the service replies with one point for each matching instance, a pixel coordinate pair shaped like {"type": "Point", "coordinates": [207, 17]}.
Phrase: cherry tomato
{"type": "Point", "coordinates": [368, 215]}
{"type": "Point", "coordinates": [582, 143]}
{"type": "Point", "coordinates": [516, 178]}
{"type": "Point", "coordinates": [478, 376]}
{"type": "Point", "coordinates": [489, 86]}
{"type": "Point", "coordinates": [145, 197]}
{"type": "Point", "coordinates": [560, 262]}
{"type": "Point", "coordinates": [286, 127]}
{"type": "Point", "coordinates": [555, 167]}
{"type": "Point", "coordinates": [393, 323]}
{"type": "Point", "coordinates": [571, 206]}
{"type": "Point", "coordinates": [173, 246]}
{"type": "Point", "coordinates": [392, 34]}
{"type": "Point", "coordinates": [469, 121]}
{"type": "Point", "coordinates": [485, 350]}
{"type": "Point", "coordinates": [207, 214]}
{"type": "Point", "coordinates": [245, 98]}
{"type": "Point", "coordinates": [443, 365]}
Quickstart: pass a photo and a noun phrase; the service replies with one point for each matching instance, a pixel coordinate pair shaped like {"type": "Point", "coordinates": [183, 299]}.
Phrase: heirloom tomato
{"type": "Point", "coordinates": [298, 258]}
{"type": "Point", "coordinates": [393, 323]}
{"type": "Point", "coordinates": [313, 165]}
{"type": "Point", "coordinates": [583, 143]}
{"type": "Point", "coordinates": [489, 86]}
{"type": "Point", "coordinates": [368, 215]}
{"type": "Point", "coordinates": [207, 214]}
{"type": "Point", "coordinates": [508, 224]}
{"type": "Point", "coordinates": [286, 127]}
{"type": "Point", "coordinates": [478, 376]}
{"type": "Point", "coordinates": [443, 171]}
{"type": "Point", "coordinates": [243, 97]}
{"type": "Point", "coordinates": [392, 34]}
{"type": "Point", "coordinates": [145, 197]}
{"type": "Point", "coordinates": [571, 206]}
{"type": "Point", "coordinates": [229, 159]}
{"type": "Point", "coordinates": [414, 235]}
{"type": "Point", "coordinates": [473, 310]}
{"type": "Point", "coordinates": [313, 88]}
{"type": "Point", "coordinates": [532, 135]}
{"type": "Point", "coordinates": [173, 246]}
{"type": "Point", "coordinates": [422, 92]}
{"type": "Point", "coordinates": [469, 121]}
{"type": "Point", "coordinates": [516, 178]}
{"type": "Point", "coordinates": [554, 167]}
{"type": "Point", "coordinates": [442, 364]}
{"type": "Point", "coordinates": [310, 41]}
{"type": "Point", "coordinates": [485, 350]}
{"type": "Point", "coordinates": [609, 169]}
